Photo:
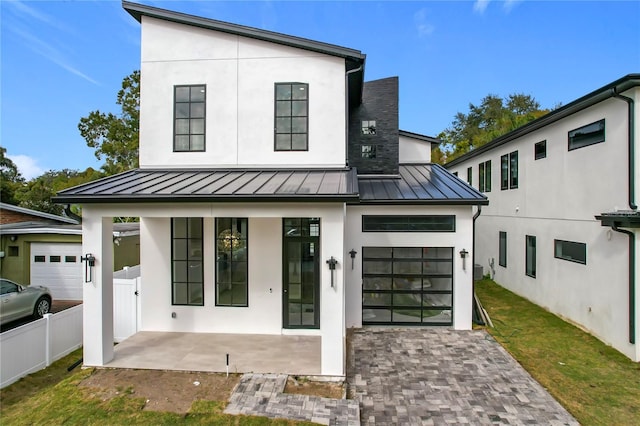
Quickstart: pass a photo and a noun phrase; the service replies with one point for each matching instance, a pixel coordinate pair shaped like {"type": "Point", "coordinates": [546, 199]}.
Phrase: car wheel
{"type": "Point", "coordinates": [43, 306]}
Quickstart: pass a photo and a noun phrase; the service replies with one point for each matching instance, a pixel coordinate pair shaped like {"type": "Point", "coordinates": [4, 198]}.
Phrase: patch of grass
{"type": "Point", "coordinates": [593, 381]}
{"type": "Point", "coordinates": [52, 396]}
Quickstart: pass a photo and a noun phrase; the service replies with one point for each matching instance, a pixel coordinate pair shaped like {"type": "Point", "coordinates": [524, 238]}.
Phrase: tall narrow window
{"type": "Point", "coordinates": [484, 172]}
{"type": "Point", "coordinates": [231, 262]}
{"type": "Point", "coordinates": [540, 150]}
{"type": "Point", "coordinates": [530, 256]}
{"type": "Point", "coordinates": [189, 118]}
{"type": "Point", "coordinates": [292, 117]}
{"type": "Point", "coordinates": [502, 249]}
{"type": "Point", "coordinates": [513, 170]}
{"type": "Point", "coordinates": [186, 260]}
{"type": "Point", "coordinates": [469, 175]}
{"type": "Point", "coordinates": [504, 172]}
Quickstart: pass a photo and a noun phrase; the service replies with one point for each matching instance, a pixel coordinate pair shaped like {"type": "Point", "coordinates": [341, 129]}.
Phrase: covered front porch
{"type": "Point", "coordinates": [258, 353]}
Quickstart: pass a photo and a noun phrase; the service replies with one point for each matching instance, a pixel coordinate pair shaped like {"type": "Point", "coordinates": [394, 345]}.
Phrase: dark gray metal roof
{"type": "Point", "coordinates": [419, 184]}
{"type": "Point", "coordinates": [145, 185]}
{"type": "Point", "coordinates": [620, 219]}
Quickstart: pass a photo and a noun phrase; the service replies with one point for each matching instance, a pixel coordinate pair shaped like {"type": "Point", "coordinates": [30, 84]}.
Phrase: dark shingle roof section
{"type": "Point", "coordinates": [144, 185]}
{"type": "Point", "coordinates": [419, 184]}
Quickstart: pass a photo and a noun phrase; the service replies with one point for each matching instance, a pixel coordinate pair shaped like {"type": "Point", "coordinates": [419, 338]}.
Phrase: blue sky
{"type": "Point", "coordinates": [63, 59]}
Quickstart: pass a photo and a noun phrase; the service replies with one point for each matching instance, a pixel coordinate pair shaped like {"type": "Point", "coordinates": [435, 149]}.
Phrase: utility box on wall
{"type": "Point", "coordinates": [478, 272]}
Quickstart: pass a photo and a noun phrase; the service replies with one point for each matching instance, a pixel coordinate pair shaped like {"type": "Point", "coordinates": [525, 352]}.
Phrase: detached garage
{"type": "Point", "coordinates": [58, 266]}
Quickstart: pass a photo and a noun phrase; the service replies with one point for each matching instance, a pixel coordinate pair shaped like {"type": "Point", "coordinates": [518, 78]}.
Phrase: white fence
{"type": "Point", "coordinates": [36, 345]}
{"type": "Point", "coordinates": [125, 305]}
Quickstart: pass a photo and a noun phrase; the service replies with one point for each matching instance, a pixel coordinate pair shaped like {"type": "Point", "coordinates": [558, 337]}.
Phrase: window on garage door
{"type": "Point", "coordinates": [407, 285]}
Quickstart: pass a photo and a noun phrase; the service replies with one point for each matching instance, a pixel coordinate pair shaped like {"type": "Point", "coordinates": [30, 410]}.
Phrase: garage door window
{"type": "Point", "coordinates": [39, 259]}
{"type": "Point", "coordinates": [407, 285]}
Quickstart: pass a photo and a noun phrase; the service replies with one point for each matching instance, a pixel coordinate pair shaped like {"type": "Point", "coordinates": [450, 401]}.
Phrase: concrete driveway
{"type": "Point", "coordinates": [438, 376]}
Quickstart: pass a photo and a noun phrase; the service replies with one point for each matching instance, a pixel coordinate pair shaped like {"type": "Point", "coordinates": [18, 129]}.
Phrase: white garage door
{"type": "Point", "coordinates": [58, 266]}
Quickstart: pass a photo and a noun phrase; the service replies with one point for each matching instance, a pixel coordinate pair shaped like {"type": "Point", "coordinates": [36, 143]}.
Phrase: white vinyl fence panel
{"type": "Point", "coordinates": [125, 307]}
{"type": "Point", "coordinates": [34, 346]}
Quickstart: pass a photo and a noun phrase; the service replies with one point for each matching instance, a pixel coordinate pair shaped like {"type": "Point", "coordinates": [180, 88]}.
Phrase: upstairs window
{"type": "Point", "coordinates": [504, 172]}
{"type": "Point", "coordinates": [586, 135]}
{"type": "Point", "coordinates": [189, 118]}
{"type": "Point", "coordinates": [368, 127]}
{"type": "Point", "coordinates": [470, 175]}
{"type": "Point", "coordinates": [292, 117]}
{"type": "Point", "coordinates": [540, 150]}
{"type": "Point", "coordinates": [484, 171]}
{"type": "Point", "coordinates": [368, 151]}
{"type": "Point", "coordinates": [509, 171]}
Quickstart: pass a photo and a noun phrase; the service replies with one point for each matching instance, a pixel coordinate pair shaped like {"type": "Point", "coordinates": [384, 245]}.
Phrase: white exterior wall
{"type": "Point", "coordinates": [461, 239]}
{"type": "Point", "coordinates": [414, 150]}
{"type": "Point", "coordinates": [557, 198]}
{"type": "Point", "coordinates": [239, 74]}
{"type": "Point", "coordinates": [264, 313]}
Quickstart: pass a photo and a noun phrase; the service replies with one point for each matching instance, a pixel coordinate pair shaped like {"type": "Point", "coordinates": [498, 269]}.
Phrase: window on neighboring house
{"type": "Point", "coordinates": [530, 268]}
{"type": "Point", "coordinates": [409, 223]}
{"type": "Point", "coordinates": [368, 127]}
{"type": "Point", "coordinates": [232, 269]}
{"type": "Point", "coordinates": [484, 171]}
{"type": "Point", "coordinates": [189, 118]}
{"type": "Point", "coordinates": [39, 259]}
{"type": "Point", "coordinates": [187, 283]}
{"type": "Point", "coordinates": [470, 175]}
{"type": "Point", "coordinates": [571, 251]}
{"type": "Point", "coordinates": [14, 251]}
{"type": "Point", "coordinates": [368, 151]}
{"type": "Point", "coordinates": [513, 170]}
{"type": "Point", "coordinates": [586, 135]}
{"type": "Point", "coordinates": [54, 259]}
{"type": "Point", "coordinates": [70, 259]}
{"type": "Point", "coordinates": [502, 249]}
{"type": "Point", "coordinates": [292, 116]}
{"type": "Point", "coordinates": [504, 172]}
{"type": "Point", "coordinates": [540, 150]}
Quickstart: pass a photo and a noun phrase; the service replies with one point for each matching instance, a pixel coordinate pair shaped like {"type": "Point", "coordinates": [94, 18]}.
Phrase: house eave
{"type": "Point", "coordinates": [622, 219]}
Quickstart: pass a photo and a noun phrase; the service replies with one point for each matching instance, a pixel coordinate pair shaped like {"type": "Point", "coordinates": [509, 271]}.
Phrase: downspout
{"type": "Point", "coordinates": [71, 214]}
{"type": "Point", "coordinates": [631, 147]}
{"type": "Point", "coordinates": [346, 112]}
{"type": "Point", "coordinates": [473, 260]}
{"type": "Point", "coordinates": [632, 282]}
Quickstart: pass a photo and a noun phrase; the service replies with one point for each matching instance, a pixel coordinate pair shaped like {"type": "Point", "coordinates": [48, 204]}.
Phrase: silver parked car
{"type": "Point", "coordinates": [17, 301]}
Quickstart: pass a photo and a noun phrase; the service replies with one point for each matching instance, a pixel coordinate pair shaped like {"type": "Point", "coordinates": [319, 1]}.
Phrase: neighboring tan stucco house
{"type": "Point", "coordinates": [45, 249]}
{"type": "Point", "coordinates": [562, 226]}
{"type": "Point", "coordinates": [276, 196]}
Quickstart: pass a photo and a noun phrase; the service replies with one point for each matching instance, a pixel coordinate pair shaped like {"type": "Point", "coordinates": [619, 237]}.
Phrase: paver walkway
{"type": "Point", "coordinates": [262, 395]}
{"type": "Point", "coordinates": [439, 376]}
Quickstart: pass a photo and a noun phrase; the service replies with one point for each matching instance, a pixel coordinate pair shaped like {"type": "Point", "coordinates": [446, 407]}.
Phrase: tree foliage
{"type": "Point", "coordinates": [10, 178]}
{"type": "Point", "coordinates": [36, 194]}
{"type": "Point", "coordinates": [115, 137]}
{"type": "Point", "coordinates": [483, 123]}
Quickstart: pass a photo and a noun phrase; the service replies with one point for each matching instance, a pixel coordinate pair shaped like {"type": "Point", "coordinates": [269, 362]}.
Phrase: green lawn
{"type": "Point", "coordinates": [596, 383]}
{"type": "Point", "coordinates": [52, 397]}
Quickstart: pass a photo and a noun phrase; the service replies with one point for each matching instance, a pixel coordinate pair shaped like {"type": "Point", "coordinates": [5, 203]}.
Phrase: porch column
{"type": "Point", "coordinates": [97, 239]}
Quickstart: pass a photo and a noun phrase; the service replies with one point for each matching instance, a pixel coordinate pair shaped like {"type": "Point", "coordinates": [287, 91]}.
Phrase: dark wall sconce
{"type": "Point", "coordinates": [89, 262]}
{"type": "Point", "coordinates": [352, 253]}
{"type": "Point", "coordinates": [332, 267]}
{"type": "Point", "coordinates": [463, 255]}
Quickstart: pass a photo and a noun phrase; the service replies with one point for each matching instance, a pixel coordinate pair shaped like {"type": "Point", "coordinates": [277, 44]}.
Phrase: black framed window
{"type": "Point", "coordinates": [504, 172]}
{"type": "Point", "coordinates": [587, 135]}
{"type": "Point", "coordinates": [513, 170]}
{"type": "Point", "coordinates": [571, 251]}
{"type": "Point", "coordinates": [470, 175]}
{"type": "Point", "coordinates": [39, 259]}
{"type": "Point", "coordinates": [409, 223]}
{"type": "Point", "coordinates": [189, 118]}
{"type": "Point", "coordinates": [187, 282]}
{"type": "Point", "coordinates": [502, 249]}
{"type": "Point", "coordinates": [407, 285]}
{"type": "Point", "coordinates": [232, 266]}
{"type": "Point", "coordinates": [530, 256]}
{"type": "Point", "coordinates": [540, 150]}
{"type": "Point", "coordinates": [368, 151]}
{"type": "Point", "coordinates": [484, 173]}
{"type": "Point", "coordinates": [368, 127]}
{"type": "Point", "coordinates": [291, 116]}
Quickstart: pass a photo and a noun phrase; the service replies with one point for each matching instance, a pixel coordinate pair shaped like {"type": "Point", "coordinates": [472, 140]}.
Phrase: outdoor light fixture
{"type": "Point", "coordinates": [463, 255]}
{"type": "Point", "coordinates": [332, 267]}
{"type": "Point", "coordinates": [89, 262]}
{"type": "Point", "coordinates": [353, 256]}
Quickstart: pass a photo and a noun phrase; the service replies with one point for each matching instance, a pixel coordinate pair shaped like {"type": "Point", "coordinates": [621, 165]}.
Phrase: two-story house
{"type": "Point", "coordinates": [276, 196]}
{"type": "Point", "coordinates": [562, 225]}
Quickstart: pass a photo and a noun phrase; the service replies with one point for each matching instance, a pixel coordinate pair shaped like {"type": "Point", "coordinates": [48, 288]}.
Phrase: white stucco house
{"type": "Point", "coordinates": [562, 225]}
{"type": "Point", "coordinates": [276, 196]}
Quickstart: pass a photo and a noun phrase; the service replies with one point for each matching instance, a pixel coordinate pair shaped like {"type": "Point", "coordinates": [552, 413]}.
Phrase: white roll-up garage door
{"type": "Point", "coordinates": [58, 266]}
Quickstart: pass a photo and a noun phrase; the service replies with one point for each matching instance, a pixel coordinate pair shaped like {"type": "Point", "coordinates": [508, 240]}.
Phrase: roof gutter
{"type": "Point", "coordinates": [632, 282]}
{"type": "Point", "coordinates": [346, 110]}
{"type": "Point", "coordinates": [631, 146]}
